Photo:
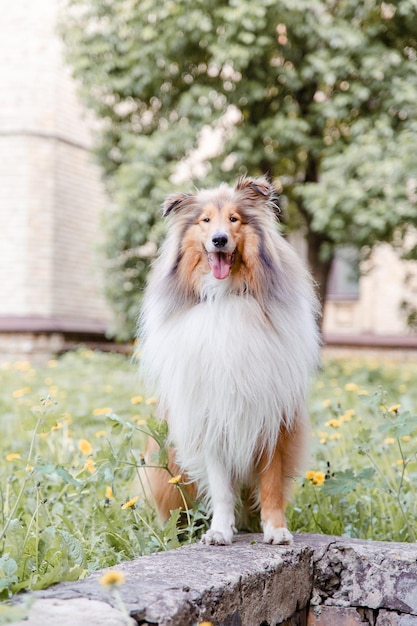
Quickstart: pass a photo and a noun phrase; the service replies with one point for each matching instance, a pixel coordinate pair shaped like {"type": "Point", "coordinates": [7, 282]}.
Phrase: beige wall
{"type": "Point", "coordinates": [382, 288]}
{"type": "Point", "coordinates": [51, 197]}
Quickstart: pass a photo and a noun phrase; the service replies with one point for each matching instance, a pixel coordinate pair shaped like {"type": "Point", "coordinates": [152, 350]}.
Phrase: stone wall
{"type": "Point", "coordinates": [318, 581]}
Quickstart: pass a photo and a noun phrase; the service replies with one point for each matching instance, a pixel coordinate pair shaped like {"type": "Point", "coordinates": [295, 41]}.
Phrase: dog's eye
{"type": "Point", "coordinates": [206, 219]}
{"type": "Point", "coordinates": [233, 219]}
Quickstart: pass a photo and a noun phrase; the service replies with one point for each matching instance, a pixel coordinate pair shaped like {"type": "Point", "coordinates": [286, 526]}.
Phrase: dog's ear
{"type": "Point", "coordinates": [257, 189]}
{"type": "Point", "coordinates": [260, 186]}
{"type": "Point", "coordinates": [176, 202]}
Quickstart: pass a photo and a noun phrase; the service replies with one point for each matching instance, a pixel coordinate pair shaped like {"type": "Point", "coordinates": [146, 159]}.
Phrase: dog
{"type": "Point", "coordinates": [229, 338]}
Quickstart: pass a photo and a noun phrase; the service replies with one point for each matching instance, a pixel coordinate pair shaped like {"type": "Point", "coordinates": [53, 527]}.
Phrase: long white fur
{"type": "Point", "coordinates": [226, 373]}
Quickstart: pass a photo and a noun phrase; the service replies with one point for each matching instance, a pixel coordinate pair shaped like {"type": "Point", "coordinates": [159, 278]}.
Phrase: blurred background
{"type": "Point", "coordinates": [106, 106]}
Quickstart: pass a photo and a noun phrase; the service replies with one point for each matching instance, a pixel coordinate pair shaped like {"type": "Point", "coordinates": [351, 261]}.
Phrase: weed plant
{"type": "Point", "coordinates": [71, 458]}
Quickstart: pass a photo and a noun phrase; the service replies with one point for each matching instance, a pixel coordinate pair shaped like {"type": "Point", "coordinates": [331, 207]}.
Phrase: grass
{"type": "Point", "coordinates": [72, 436]}
{"type": "Point", "coordinates": [363, 471]}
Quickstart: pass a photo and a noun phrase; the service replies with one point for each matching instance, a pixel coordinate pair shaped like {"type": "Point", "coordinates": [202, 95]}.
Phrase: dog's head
{"type": "Point", "coordinates": [219, 230]}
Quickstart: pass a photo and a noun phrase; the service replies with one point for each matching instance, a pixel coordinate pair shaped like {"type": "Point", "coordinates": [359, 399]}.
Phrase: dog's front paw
{"type": "Point", "coordinates": [277, 535]}
{"type": "Point", "coordinates": [217, 537]}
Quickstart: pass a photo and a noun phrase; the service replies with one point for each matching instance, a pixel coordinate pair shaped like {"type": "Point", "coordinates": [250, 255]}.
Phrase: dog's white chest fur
{"type": "Point", "coordinates": [227, 376]}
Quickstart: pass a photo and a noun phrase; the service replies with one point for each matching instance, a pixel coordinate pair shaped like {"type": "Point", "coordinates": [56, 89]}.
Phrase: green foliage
{"type": "Point", "coordinates": [73, 433]}
{"type": "Point", "coordinates": [70, 479]}
{"type": "Point", "coordinates": [364, 453]}
{"type": "Point", "coordinates": [322, 96]}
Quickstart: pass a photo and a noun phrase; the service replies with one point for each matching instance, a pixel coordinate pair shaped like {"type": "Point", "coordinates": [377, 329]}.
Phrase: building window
{"type": "Point", "coordinates": [343, 281]}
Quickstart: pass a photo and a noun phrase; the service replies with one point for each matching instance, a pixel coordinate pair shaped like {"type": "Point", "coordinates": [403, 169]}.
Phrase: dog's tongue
{"type": "Point", "coordinates": [220, 264]}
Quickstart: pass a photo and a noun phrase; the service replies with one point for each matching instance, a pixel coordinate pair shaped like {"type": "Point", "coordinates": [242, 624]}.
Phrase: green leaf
{"type": "Point", "coordinates": [171, 529]}
{"type": "Point", "coordinates": [343, 482]}
{"type": "Point", "coordinates": [66, 477]}
{"type": "Point", "coordinates": [116, 423]}
{"type": "Point", "coordinates": [340, 484]}
{"type": "Point", "coordinates": [403, 425]}
{"type": "Point", "coordinates": [8, 572]}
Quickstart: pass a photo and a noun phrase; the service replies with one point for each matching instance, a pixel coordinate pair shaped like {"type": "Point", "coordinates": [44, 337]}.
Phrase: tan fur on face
{"type": "Point", "coordinates": [227, 219]}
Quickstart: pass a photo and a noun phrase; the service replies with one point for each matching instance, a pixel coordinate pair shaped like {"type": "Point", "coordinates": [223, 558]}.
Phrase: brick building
{"type": "Point", "coordinates": [51, 199]}
{"type": "Point", "coordinates": [50, 192]}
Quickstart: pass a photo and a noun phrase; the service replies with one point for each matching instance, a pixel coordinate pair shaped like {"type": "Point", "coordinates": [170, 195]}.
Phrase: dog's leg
{"type": "Point", "coordinates": [222, 498]}
{"type": "Point", "coordinates": [157, 488]}
{"type": "Point", "coordinates": [276, 474]}
{"type": "Point", "coordinates": [273, 487]}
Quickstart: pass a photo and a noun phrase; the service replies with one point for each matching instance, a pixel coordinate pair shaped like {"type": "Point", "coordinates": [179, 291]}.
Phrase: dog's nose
{"type": "Point", "coordinates": [219, 240]}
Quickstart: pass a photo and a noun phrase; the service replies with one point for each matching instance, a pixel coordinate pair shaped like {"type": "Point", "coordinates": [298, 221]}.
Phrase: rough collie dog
{"type": "Point", "coordinates": [228, 339]}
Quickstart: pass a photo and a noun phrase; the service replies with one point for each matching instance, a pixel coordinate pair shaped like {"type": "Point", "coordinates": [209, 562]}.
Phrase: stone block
{"type": "Point", "coordinates": [246, 584]}
{"type": "Point", "coordinates": [74, 612]}
{"type": "Point", "coordinates": [391, 618]}
{"type": "Point", "coordinates": [345, 582]}
{"type": "Point", "coordinates": [372, 574]}
{"type": "Point", "coordinates": [334, 616]}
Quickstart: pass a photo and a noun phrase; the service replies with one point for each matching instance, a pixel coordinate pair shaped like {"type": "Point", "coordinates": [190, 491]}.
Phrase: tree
{"type": "Point", "coordinates": [321, 95]}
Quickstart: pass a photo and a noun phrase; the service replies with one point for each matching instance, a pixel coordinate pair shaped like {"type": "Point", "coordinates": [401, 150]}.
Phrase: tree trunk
{"type": "Point", "coordinates": [319, 264]}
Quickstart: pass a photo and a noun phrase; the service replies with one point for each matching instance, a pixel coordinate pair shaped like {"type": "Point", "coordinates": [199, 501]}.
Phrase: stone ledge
{"type": "Point", "coordinates": [320, 580]}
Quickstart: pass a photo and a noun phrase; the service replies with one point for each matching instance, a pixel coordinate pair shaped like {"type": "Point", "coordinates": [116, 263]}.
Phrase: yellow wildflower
{"type": "Point", "coordinates": [151, 400]}
{"type": "Point", "coordinates": [52, 363]}
{"type": "Point", "coordinates": [394, 408]}
{"type": "Point", "coordinates": [112, 578]}
{"type": "Point", "coordinates": [19, 393]}
{"type": "Point", "coordinates": [316, 478]}
{"type": "Point", "coordinates": [406, 438]}
{"type": "Point", "coordinates": [90, 465]}
{"type": "Point", "coordinates": [335, 436]}
{"type": "Point", "coordinates": [12, 456]}
{"type": "Point", "coordinates": [402, 388]}
{"type": "Point", "coordinates": [389, 441]}
{"type": "Point", "coordinates": [352, 387]}
{"type": "Point", "coordinates": [136, 399]}
{"type": "Point", "coordinates": [175, 479]}
{"type": "Point", "coordinates": [22, 366]}
{"type": "Point", "coordinates": [102, 410]}
{"type": "Point", "coordinates": [101, 433]}
{"type": "Point", "coordinates": [205, 624]}
{"type": "Point", "coordinates": [45, 402]}
{"type": "Point", "coordinates": [29, 468]}
{"type": "Point", "coordinates": [323, 437]}
{"type": "Point", "coordinates": [109, 492]}
{"type": "Point", "coordinates": [333, 423]}
{"type": "Point", "coordinates": [327, 403]}
{"type": "Point", "coordinates": [130, 503]}
{"type": "Point", "coordinates": [347, 415]}
{"type": "Point", "coordinates": [139, 420]}
{"type": "Point", "coordinates": [85, 447]}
